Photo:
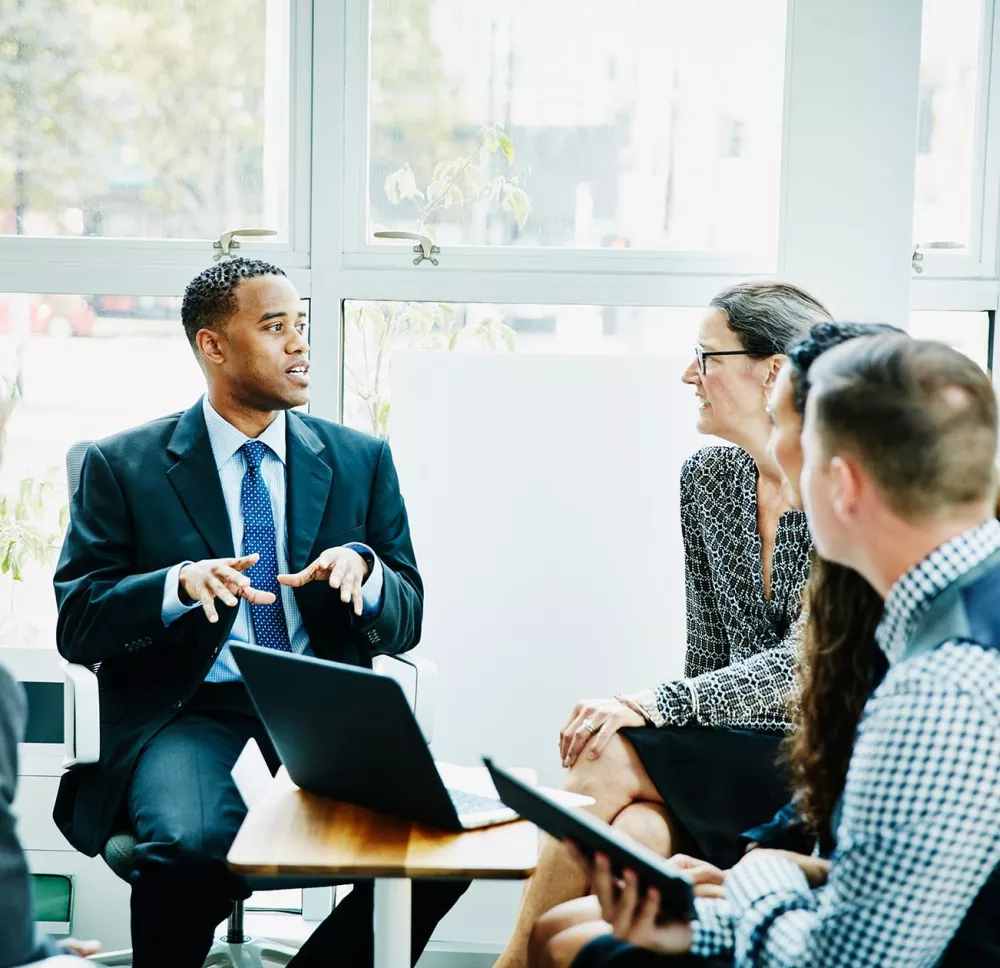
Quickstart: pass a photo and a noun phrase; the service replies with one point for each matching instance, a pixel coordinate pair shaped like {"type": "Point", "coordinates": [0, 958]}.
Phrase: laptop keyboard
{"type": "Point", "coordinates": [466, 803]}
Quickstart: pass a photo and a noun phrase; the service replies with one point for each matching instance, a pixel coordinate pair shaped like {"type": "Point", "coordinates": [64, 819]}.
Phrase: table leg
{"type": "Point", "coordinates": [392, 922]}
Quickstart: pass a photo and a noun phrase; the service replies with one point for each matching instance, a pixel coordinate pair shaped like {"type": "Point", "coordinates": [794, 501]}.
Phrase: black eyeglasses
{"type": "Point", "coordinates": [703, 355]}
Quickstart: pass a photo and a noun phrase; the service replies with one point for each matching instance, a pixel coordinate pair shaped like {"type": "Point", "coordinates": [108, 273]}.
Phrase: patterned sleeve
{"type": "Point", "coordinates": [919, 838]}
{"type": "Point", "coordinates": [752, 693]}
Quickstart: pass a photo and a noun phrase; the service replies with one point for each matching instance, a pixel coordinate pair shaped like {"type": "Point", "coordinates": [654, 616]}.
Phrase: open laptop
{"type": "Point", "coordinates": [349, 734]}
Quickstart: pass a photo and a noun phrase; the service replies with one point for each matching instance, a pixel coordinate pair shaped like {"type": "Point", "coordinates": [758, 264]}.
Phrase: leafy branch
{"type": "Point", "coordinates": [464, 180]}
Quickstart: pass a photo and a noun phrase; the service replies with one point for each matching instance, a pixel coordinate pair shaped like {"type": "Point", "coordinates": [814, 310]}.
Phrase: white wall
{"type": "Point", "coordinates": [543, 499]}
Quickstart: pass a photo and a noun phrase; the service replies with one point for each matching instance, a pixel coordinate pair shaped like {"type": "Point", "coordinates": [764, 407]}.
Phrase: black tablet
{"type": "Point", "coordinates": [592, 835]}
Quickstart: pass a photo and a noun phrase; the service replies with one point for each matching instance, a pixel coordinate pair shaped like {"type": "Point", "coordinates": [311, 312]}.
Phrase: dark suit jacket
{"type": "Point", "coordinates": [150, 498]}
{"type": "Point", "coordinates": [19, 942]}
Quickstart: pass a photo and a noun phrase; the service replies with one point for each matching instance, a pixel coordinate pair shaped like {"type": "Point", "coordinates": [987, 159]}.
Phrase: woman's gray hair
{"type": "Point", "coordinates": [770, 317]}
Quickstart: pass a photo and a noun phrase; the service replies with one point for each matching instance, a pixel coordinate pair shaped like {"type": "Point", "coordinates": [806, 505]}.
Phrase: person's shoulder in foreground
{"type": "Point", "coordinates": [20, 943]}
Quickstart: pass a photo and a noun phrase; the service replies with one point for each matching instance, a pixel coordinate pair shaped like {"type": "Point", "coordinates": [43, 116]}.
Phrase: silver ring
{"type": "Point", "coordinates": [588, 725]}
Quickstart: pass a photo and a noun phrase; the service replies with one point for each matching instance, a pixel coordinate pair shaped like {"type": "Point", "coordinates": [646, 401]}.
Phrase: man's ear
{"type": "Point", "coordinates": [210, 345]}
{"type": "Point", "coordinates": [846, 486]}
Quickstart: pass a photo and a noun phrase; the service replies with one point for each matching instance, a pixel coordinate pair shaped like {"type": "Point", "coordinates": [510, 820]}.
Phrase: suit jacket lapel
{"type": "Point", "coordinates": [195, 478]}
{"type": "Point", "coordinates": [308, 484]}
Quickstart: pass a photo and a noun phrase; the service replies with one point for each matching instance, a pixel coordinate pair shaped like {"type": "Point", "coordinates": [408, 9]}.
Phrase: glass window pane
{"type": "Point", "coordinates": [968, 332]}
{"type": "Point", "coordinates": [143, 118]}
{"type": "Point", "coordinates": [646, 124]}
{"type": "Point", "coordinates": [376, 331]}
{"type": "Point", "coordinates": [946, 128]}
{"type": "Point", "coordinates": [90, 366]}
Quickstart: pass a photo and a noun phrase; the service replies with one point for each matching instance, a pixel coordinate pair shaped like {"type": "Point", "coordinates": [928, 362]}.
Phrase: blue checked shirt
{"type": "Point", "coordinates": [920, 830]}
{"type": "Point", "coordinates": [227, 442]}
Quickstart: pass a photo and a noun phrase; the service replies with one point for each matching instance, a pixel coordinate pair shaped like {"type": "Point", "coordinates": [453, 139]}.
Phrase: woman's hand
{"type": "Point", "coordinates": [707, 878]}
{"type": "Point", "coordinates": [591, 725]}
{"type": "Point", "coordinates": [634, 919]}
{"type": "Point", "coordinates": [815, 868]}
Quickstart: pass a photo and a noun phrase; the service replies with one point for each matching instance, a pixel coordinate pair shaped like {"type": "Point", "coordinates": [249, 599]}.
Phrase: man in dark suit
{"type": "Point", "coordinates": [238, 521]}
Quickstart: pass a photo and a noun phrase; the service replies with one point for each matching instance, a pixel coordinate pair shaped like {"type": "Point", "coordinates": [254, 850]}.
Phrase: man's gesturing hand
{"type": "Point", "coordinates": [341, 568]}
{"type": "Point", "coordinates": [222, 578]}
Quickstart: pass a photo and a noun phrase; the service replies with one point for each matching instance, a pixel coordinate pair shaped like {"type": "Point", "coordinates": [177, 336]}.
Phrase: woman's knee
{"type": "Point", "coordinates": [563, 949]}
{"type": "Point", "coordinates": [616, 774]}
{"type": "Point", "coordinates": [562, 917]}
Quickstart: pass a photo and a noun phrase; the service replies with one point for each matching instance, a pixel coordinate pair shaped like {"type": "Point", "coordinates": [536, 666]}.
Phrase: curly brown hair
{"type": "Point", "coordinates": [839, 664]}
{"type": "Point", "coordinates": [840, 661]}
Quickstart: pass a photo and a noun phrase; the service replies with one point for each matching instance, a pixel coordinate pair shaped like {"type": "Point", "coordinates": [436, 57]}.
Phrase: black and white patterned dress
{"type": "Point", "coordinates": [719, 727]}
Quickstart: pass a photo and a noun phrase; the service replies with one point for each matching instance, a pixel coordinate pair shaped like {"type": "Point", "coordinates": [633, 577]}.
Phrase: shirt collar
{"type": "Point", "coordinates": [911, 595]}
{"type": "Point", "coordinates": [226, 439]}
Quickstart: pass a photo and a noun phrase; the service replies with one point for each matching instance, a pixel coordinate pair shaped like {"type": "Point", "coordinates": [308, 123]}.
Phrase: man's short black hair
{"type": "Point", "coordinates": [211, 296]}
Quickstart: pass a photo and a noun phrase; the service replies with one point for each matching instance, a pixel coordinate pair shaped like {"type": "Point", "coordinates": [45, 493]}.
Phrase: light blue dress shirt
{"type": "Point", "coordinates": [227, 443]}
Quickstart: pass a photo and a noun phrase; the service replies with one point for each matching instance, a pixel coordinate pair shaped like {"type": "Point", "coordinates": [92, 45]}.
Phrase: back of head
{"type": "Point", "coordinates": [822, 337]}
{"type": "Point", "coordinates": [918, 416]}
{"type": "Point", "coordinates": [769, 317]}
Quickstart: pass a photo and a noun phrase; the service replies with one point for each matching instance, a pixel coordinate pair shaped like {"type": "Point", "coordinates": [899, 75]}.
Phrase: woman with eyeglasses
{"type": "Point", "coordinates": [687, 765]}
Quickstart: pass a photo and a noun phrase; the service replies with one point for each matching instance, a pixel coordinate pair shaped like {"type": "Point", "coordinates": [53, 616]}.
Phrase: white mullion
{"type": "Point", "coordinates": [468, 258]}
{"type": "Point", "coordinates": [300, 125]}
{"type": "Point", "coordinates": [357, 129]}
{"type": "Point", "coordinates": [967, 295]}
{"type": "Point", "coordinates": [439, 284]}
{"type": "Point", "coordinates": [990, 199]}
{"type": "Point", "coordinates": [117, 280]}
{"type": "Point", "coordinates": [329, 135]}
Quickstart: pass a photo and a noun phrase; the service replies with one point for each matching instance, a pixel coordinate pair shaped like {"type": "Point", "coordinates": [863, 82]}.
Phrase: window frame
{"type": "Point", "coordinates": [979, 260]}
{"type": "Point", "coordinates": [40, 264]}
{"type": "Point", "coordinates": [359, 253]}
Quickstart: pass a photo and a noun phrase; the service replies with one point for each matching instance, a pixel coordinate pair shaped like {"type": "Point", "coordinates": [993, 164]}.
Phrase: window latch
{"type": "Point", "coordinates": [918, 256]}
{"type": "Point", "coordinates": [425, 247]}
{"type": "Point", "coordinates": [225, 243]}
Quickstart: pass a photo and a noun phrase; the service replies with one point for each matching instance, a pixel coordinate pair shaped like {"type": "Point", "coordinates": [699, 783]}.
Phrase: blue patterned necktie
{"type": "Point", "coordinates": [269, 625]}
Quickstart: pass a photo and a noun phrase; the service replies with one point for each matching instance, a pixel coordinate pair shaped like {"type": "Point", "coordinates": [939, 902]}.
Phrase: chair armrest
{"type": "Point", "coordinates": [418, 678]}
{"type": "Point", "coordinates": [81, 717]}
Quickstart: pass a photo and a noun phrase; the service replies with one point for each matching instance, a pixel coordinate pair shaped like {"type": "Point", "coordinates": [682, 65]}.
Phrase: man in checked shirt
{"type": "Point", "coordinates": [899, 483]}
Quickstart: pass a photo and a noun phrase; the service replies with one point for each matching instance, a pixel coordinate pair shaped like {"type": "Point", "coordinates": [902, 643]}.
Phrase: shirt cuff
{"type": "Point", "coordinates": [712, 928]}
{"type": "Point", "coordinates": [760, 876]}
{"type": "Point", "coordinates": [173, 608]}
{"type": "Point", "coordinates": [371, 589]}
{"type": "Point", "coordinates": [669, 704]}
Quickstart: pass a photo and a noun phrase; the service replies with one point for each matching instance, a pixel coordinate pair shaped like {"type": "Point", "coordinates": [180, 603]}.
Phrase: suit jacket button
{"type": "Point", "coordinates": [178, 705]}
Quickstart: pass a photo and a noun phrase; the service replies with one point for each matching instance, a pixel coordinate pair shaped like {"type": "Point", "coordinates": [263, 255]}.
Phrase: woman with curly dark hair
{"type": "Point", "coordinates": [840, 662]}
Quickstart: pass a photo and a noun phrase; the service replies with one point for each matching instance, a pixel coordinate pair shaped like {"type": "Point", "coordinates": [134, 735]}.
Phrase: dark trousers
{"type": "Point", "coordinates": [609, 952]}
{"type": "Point", "coordinates": [185, 809]}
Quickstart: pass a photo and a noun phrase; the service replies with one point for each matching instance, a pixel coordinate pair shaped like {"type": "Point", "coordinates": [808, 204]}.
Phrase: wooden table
{"type": "Point", "coordinates": [298, 834]}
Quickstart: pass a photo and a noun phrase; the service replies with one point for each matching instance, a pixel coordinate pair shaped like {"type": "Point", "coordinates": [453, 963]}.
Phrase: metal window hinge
{"type": "Point", "coordinates": [225, 243]}
{"type": "Point", "coordinates": [918, 256]}
{"type": "Point", "coordinates": [425, 247]}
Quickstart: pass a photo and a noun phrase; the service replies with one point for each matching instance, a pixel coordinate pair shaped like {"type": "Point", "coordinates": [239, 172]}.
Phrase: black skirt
{"type": "Point", "coordinates": [717, 783]}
